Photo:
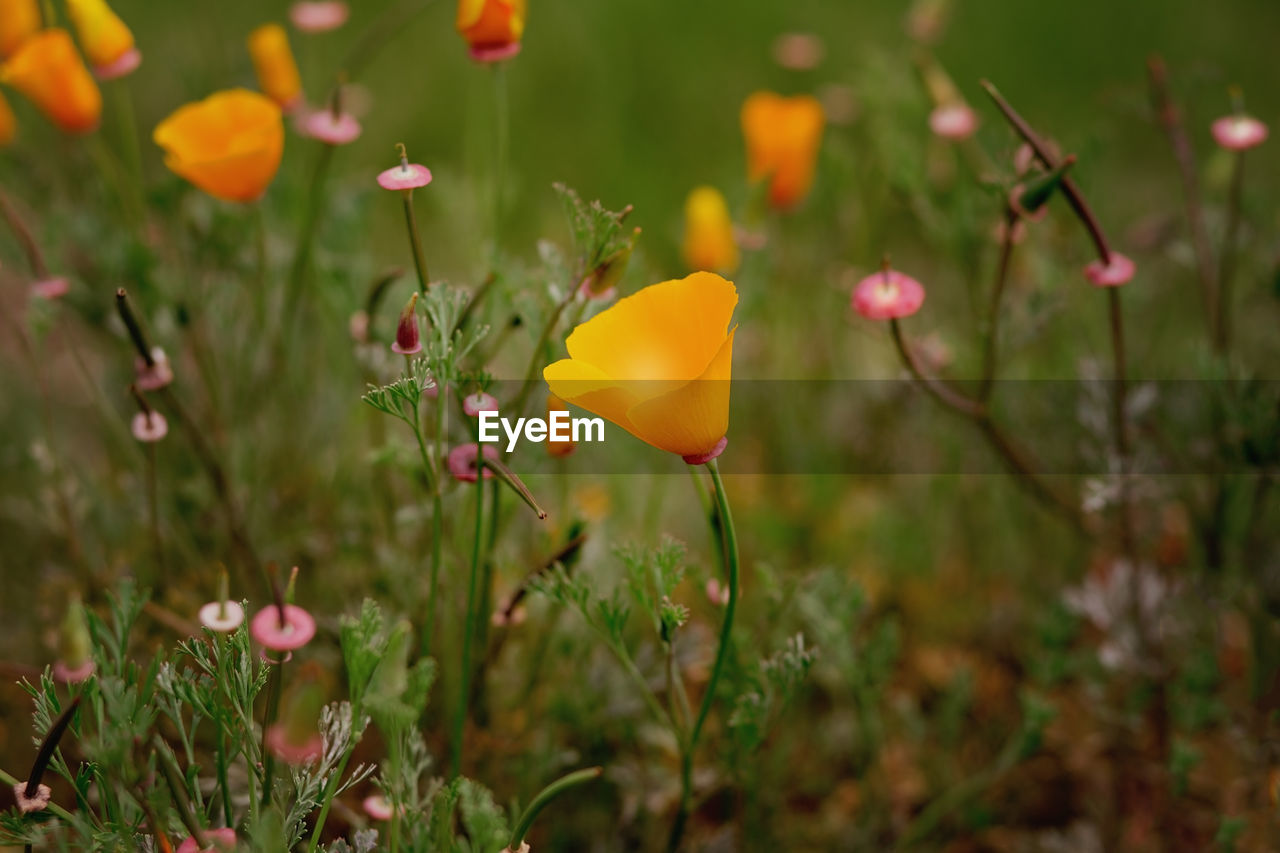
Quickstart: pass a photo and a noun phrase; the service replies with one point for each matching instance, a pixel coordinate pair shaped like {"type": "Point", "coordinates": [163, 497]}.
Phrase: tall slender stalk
{"type": "Point", "coordinates": [729, 536]}
{"type": "Point", "coordinates": [469, 630]}
{"type": "Point", "coordinates": [1227, 264]}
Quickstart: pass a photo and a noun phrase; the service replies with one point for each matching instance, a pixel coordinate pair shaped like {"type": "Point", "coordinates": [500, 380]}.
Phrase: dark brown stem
{"type": "Point", "coordinates": [938, 389]}
{"type": "Point", "coordinates": [23, 235]}
{"type": "Point", "coordinates": [1171, 120]}
{"type": "Point", "coordinates": [1045, 156]}
{"type": "Point", "coordinates": [47, 747]}
{"type": "Point", "coordinates": [991, 326]}
{"type": "Point", "coordinates": [131, 323]}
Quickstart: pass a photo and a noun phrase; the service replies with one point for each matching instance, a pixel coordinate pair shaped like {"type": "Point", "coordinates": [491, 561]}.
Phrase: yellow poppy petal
{"type": "Point", "coordinates": [586, 387]}
{"type": "Point", "coordinates": [668, 331]}
{"type": "Point", "coordinates": [691, 419]}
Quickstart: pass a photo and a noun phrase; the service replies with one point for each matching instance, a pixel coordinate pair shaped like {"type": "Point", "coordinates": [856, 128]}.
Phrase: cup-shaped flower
{"type": "Point", "coordinates": [783, 136]}
{"type": "Point", "coordinates": [492, 28]}
{"type": "Point", "coordinates": [1117, 271]}
{"type": "Point", "coordinates": [106, 40]}
{"type": "Point", "coordinates": [37, 802]}
{"type": "Point", "coordinates": [149, 427]}
{"type": "Point", "coordinates": [318, 16]}
{"type": "Point", "coordinates": [276, 69]}
{"type": "Point", "coordinates": [480, 401]}
{"type": "Point", "coordinates": [295, 632]}
{"type": "Point", "coordinates": [222, 617]}
{"type": "Point", "coordinates": [8, 123]}
{"type": "Point", "coordinates": [228, 145]}
{"type": "Point", "coordinates": [887, 295]}
{"type": "Point", "coordinates": [657, 364]}
{"type": "Point", "coordinates": [406, 176]}
{"type": "Point", "coordinates": [408, 337]}
{"type": "Point", "coordinates": [331, 129]}
{"type": "Point", "coordinates": [19, 21]}
{"type": "Point", "coordinates": [48, 70]}
{"type": "Point", "coordinates": [709, 243]}
{"type": "Point", "coordinates": [1239, 132]}
{"type": "Point", "coordinates": [221, 840]}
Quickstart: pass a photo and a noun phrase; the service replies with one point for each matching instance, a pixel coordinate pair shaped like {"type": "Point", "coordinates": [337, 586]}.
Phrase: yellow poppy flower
{"type": "Point", "coordinates": [8, 123]}
{"type": "Point", "coordinates": [19, 21]}
{"type": "Point", "coordinates": [657, 364]}
{"type": "Point", "coordinates": [783, 136]}
{"type": "Point", "coordinates": [708, 232]}
{"type": "Point", "coordinates": [48, 71]}
{"type": "Point", "coordinates": [273, 61]}
{"type": "Point", "coordinates": [491, 27]}
{"type": "Point", "coordinates": [106, 40]}
{"type": "Point", "coordinates": [228, 145]}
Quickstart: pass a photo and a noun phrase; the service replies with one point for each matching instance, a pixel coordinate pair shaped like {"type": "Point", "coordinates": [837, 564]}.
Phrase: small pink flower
{"type": "Point", "coordinates": [716, 593]}
{"type": "Point", "coordinates": [1114, 274]}
{"type": "Point", "coordinates": [320, 16]}
{"type": "Point", "coordinates": [295, 633]}
{"type": "Point", "coordinates": [474, 404]}
{"type": "Point", "coordinates": [50, 288]}
{"type": "Point", "coordinates": [126, 64]}
{"type": "Point", "coordinates": [222, 839]}
{"type": "Point", "coordinates": [494, 53]}
{"type": "Point", "coordinates": [72, 674]}
{"type": "Point", "coordinates": [282, 747]}
{"type": "Point", "coordinates": [887, 295]}
{"type": "Point", "coordinates": [954, 122]}
{"type": "Point", "coordinates": [37, 803]}
{"type": "Point", "coordinates": [377, 807]}
{"type": "Point", "coordinates": [798, 51]}
{"type": "Point", "coordinates": [432, 391]}
{"type": "Point", "coordinates": [323, 125]}
{"type": "Point", "coordinates": [149, 427]}
{"type": "Point", "coordinates": [406, 176]}
{"type": "Point", "coordinates": [155, 376]}
{"type": "Point", "coordinates": [1239, 132]}
{"type": "Point", "coordinates": [462, 462]}
{"type": "Point", "coordinates": [222, 616]}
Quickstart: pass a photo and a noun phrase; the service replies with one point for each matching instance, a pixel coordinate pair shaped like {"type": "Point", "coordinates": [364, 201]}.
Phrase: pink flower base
{"type": "Point", "coordinates": [1114, 274]}
{"type": "Point", "coordinates": [155, 376]}
{"type": "Point", "coordinates": [494, 52]}
{"type": "Point", "coordinates": [72, 674]}
{"type": "Point", "coordinates": [1239, 133]}
{"type": "Point", "coordinates": [37, 803]}
{"type": "Point", "coordinates": [704, 458]}
{"type": "Point", "coordinates": [222, 839]}
{"type": "Point", "coordinates": [319, 16]}
{"type": "Point", "coordinates": [297, 631]}
{"type": "Point", "coordinates": [277, 740]}
{"type": "Point", "coordinates": [408, 177]}
{"type": "Point", "coordinates": [149, 427]}
{"type": "Point", "coordinates": [462, 462]}
{"type": "Point", "coordinates": [953, 122]}
{"type": "Point", "coordinates": [887, 295]}
{"type": "Point", "coordinates": [377, 807]}
{"type": "Point", "coordinates": [125, 65]}
{"type": "Point", "coordinates": [474, 404]}
{"type": "Point", "coordinates": [232, 618]}
{"type": "Point", "coordinates": [323, 125]}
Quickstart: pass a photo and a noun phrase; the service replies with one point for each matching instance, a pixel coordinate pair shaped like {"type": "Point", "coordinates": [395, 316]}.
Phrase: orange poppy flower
{"type": "Point", "coordinates": [783, 136]}
{"type": "Point", "coordinates": [228, 145]}
{"type": "Point", "coordinates": [48, 71]}
{"type": "Point", "coordinates": [19, 21]}
{"type": "Point", "coordinates": [492, 27]}
{"type": "Point", "coordinates": [273, 61]}
{"type": "Point", "coordinates": [106, 40]}
{"type": "Point", "coordinates": [657, 364]}
{"type": "Point", "coordinates": [708, 232]}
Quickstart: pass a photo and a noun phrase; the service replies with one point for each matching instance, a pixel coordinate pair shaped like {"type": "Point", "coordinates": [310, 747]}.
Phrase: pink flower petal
{"type": "Point", "coordinates": [1239, 133]}
{"type": "Point", "coordinates": [318, 17]}
{"type": "Point", "coordinates": [408, 177]}
{"type": "Point", "coordinates": [887, 295]}
{"type": "Point", "coordinates": [297, 631]}
{"type": "Point", "coordinates": [462, 461]}
{"type": "Point", "coordinates": [1114, 274]}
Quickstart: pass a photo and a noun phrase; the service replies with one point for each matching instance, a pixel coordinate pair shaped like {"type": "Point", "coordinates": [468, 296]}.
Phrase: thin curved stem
{"type": "Point", "coordinates": [730, 541]}
{"type": "Point", "coordinates": [419, 259]}
{"type": "Point", "coordinates": [544, 798]}
{"type": "Point", "coordinates": [991, 325]}
{"type": "Point", "coordinates": [934, 386]}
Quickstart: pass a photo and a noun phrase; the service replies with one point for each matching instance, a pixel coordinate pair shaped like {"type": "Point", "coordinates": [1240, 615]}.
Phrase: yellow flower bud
{"type": "Point", "coordinates": [273, 60]}
{"type": "Point", "coordinates": [783, 136]}
{"type": "Point", "coordinates": [106, 40]}
{"type": "Point", "coordinates": [708, 232]}
{"type": "Point", "coordinates": [491, 27]}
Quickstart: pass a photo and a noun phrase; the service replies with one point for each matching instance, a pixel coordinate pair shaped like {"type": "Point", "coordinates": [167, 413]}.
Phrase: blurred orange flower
{"type": "Point", "coordinates": [657, 364]}
{"type": "Point", "coordinates": [783, 136]}
{"type": "Point", "coordinates": [48, 71]}
{"type": "Point", "coordinates": [556, 447]}
{"type": "Point", "coordinates": [228, 145]}
{"type": "Point", "coordinates": [19, 20]}
{"type": "Point", "coordinates": [106, 40]}
{"type": "Point", "coordinates": [708, 232]}
{"type": "Point", "coordinates": [492, 27]}
{"type": "Point", "coordinates": [273, 61]}
{"type": "Point", "coordinates": [8, 124]}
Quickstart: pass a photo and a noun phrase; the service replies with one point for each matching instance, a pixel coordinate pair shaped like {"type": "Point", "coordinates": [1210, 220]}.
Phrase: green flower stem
{"type": "Point", "coordinates": [469, 630]}
{"type": "Point", "coordinates": [129, 138]}
{"type": "Point", "coordinates": [502, 123]}
{"type": "Point", "coordinates": [545, 796]}
{"type": "Point", "coordinates": [330, 791]}
{"type": "Point", "coordinates": [302, 251]}
{"type": "Point", "coordinates": [730, 537]}
{"type": "Point", "coordinates": [1227, 267]}
{"type": "Point", "coordinates": [274, 688]}
{"type": "Point", "coordinates": [52, 807]}
{"type": "Point", "coordinates": [220, 744]}
{"type": "Point", "coordinates": [415, 242]}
